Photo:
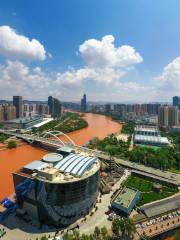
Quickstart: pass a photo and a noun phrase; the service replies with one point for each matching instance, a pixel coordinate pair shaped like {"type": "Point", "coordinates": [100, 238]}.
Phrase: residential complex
{"type": "Point", "coordinates": [7, 112]}
{"type": "Point", "coordinates": [168, 116]}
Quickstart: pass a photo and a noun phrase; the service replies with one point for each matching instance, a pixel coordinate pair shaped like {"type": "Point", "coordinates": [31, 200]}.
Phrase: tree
{"type": "Point", "coordinates": [104, 232]}
{"type": "Point", "coordinates": [44, 238]}
{"type": "Point", "coordinates": [76, 235]}
{"type": "Point", "coordinates": [115, 227]}
{"type": "Point", "coordinates": [67, 236]}
{"type": "Point", "coordinates": [144, 237]}
{"type": "Point", "coordinates": [177, 235]}
{"type": "Point", "coordinates": [123, 227]}
{"type": "Point", "coordinates": [12, 144]}
{"type": "Point", "coordinates": [97, 232]}
{"type": "Point", "coordinates": [129, 227]}
{"type": "Point", "coordinates": [84, 237]}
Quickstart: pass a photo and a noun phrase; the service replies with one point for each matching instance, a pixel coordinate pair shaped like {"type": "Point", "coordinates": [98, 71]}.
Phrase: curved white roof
{"type": "Point", "coordinates": [76, 164]}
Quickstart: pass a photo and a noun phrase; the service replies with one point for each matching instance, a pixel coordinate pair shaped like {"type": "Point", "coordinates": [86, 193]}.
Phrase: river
{"type": "Point", "coordinates": [13, 159]}
{"type": "Point", "coordinates": [98, 126]}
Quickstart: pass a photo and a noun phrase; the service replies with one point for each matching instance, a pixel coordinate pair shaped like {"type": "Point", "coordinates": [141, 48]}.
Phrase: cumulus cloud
{"type": "Point", "coordinates": [105, 66]}
{"type": "Point", "coordinates": [103, 54]}
{"type": "Point", "coordinates": [34, 83]}
{"type": "Point", "coordinates": [104, 63]}
{"type": "Point", "coordinates": [16, 46]}
{"type": "Point", "coordinates": [75, 77]}
{"type": "Point", "coordinates": [168, 82]}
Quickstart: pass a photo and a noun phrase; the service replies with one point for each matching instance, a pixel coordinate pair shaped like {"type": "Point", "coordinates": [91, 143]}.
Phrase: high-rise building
{"type": "Point", "coordinates": [120, 109]}
{"type": "Point", "coordinates": [50, 104]}
{"type": "Point", "coordinates": [168, 116]}
{"type": "Point", "coordinates": [84, 104]}
{"type": "Point", "coordinates": [176, 101]}
{"type": "Point", "coordinates": [173, 116]}
{"type": "Point", "coordinates": [129, 108]}
{"type": "Point", "coordinates": [163, 116]}
{"type": "Point", "coordinates": [143, 109]}
{"type": "Point", "coordinates": [1, 113]}
{"type": "Point", "coordinates": [55, 107]}
{"type": "Point", "coordinates": [42, 109]}
{"type": "Point", "coordinates": [108, 108]}
{"type": "Point", "coordinates": [152, 108]}
{"type": "Point", "coordinates": [9, 112]}
{"type": "Point", "coordinates": [17, 102]}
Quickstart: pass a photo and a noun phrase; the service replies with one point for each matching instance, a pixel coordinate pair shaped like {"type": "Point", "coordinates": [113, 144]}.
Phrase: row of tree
{"type": "Point", "coordinates": [121, 229]}
{"type": "Point", "coordinates": [162, 158]}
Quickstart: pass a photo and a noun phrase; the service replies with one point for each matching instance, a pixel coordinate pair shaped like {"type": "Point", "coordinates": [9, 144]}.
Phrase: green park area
{"type": "Point", "coordinates": [164, 158]}
{"type": "Point", "coordinates": [111, 145]}
{"type": "Point", "coordinates": [146, 187]}
{"type": "Point", "coordinates": [68, 123]}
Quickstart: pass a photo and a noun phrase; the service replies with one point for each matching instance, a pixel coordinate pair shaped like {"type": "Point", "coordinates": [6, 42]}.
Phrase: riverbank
{"type": "Point", "coordinates": [68, 123]}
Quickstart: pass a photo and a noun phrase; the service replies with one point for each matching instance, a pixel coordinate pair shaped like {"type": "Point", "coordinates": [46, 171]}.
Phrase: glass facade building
{"type": "Point", "coordinates": [58, 204]}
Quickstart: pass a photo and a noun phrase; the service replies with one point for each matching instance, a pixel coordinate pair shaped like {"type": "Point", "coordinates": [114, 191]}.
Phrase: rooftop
{"type": "Point", "coordinates": [126, 197]}
{"type": "Point", "coordinates": [162, 206]}
{"type": "Point", "coordinates": [36, 165]}
{"type": "Point", "coordinates": [76, 164]}
{"type": "Point", "coordinates": [146, 128]}
{"type": "Point", "coordinates": [74, 167]}
{"type": "Point", "coordinates": [52, 157]}
{"type": "Point", "coordinates": [24, 119]}
{"type": "Point", "coordinates": [151, 139]}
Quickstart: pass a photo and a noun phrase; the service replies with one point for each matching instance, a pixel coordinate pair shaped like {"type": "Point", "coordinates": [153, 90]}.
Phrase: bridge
{"type": "Point", "coordinates": [53, 138]}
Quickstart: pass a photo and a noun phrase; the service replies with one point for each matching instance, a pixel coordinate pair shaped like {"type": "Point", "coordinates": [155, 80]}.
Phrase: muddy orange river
{"type": "Point", "coordinates": [13, 159]}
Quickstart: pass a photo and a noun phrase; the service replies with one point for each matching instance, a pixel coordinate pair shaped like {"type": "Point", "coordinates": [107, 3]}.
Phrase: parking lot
{"type": "Point", "coordinates": [155, 226]}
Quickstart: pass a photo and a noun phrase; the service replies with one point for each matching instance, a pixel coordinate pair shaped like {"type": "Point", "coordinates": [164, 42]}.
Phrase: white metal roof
{"type": "Point", "coordinates": [76, 164]}
{"type": "Point", "coordinates": [156, 139]}
{"type": "Point", "coordinates": [36, 165]}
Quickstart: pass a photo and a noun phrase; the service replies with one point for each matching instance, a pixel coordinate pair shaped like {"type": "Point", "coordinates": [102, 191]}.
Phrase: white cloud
{"type": "Point", "coordinates": [104, 62]}
{"type": "Point", "coordinates": [167, 83]}
{"type": "Point", "coordinates": [103, 54]}
{"type": "Point", "coordinates": [34, 83]}
{"type": "Point", "coordinates": [16, 46]}
{"type": "Point", "coordinates": [104, 69]}
{"type": "Point", "coordinates": [99, 75]}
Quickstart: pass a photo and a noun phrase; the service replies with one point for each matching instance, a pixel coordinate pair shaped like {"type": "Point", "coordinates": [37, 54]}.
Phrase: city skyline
{"type": "Point", "coordinates": [119, 56]}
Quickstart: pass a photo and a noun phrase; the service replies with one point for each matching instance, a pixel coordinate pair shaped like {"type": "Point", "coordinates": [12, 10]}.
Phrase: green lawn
{"type": "Point", "coordinates": [139, 184]}
{"type": "Point", "coordinates": [146, 188]}
{"type": "Point", "coordinates": [173, 170]}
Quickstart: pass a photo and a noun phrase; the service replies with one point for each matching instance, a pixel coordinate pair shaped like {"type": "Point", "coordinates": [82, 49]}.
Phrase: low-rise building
{"type": "Point", "coordinates": [150, 136]}
{"type": "Point", "coordinates": [126, 200]}
{"type": "Point", "coordinates": [22, 123]}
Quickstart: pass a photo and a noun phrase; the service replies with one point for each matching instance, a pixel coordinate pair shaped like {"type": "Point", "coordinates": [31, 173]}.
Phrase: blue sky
{"type": "Point", "coordinates": [151, 28]}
